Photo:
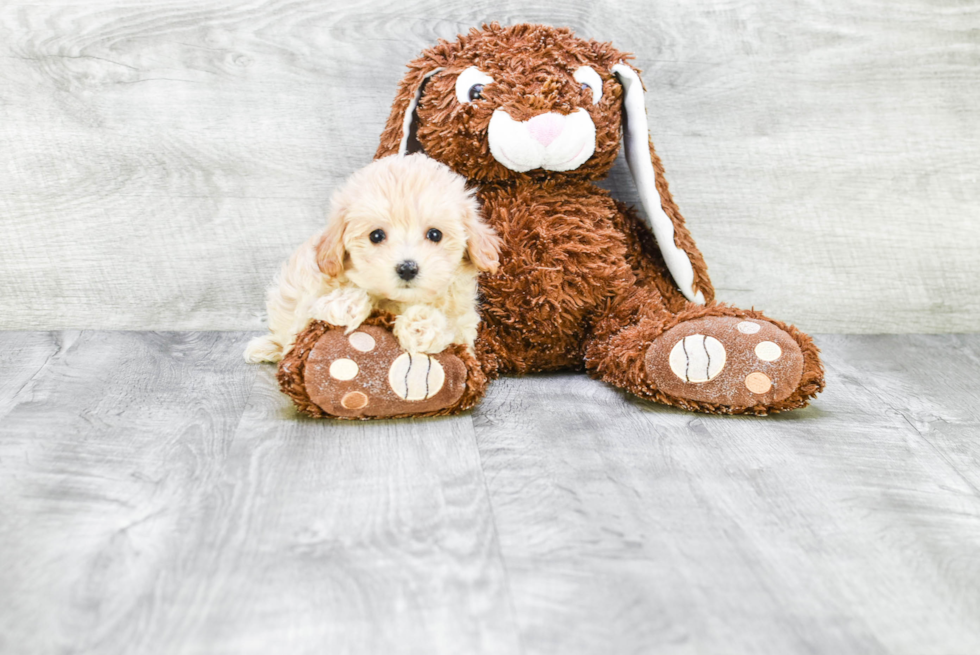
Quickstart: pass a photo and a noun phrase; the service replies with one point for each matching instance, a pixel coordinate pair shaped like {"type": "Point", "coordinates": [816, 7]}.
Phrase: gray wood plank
{"type": "Point", "coordinates": [359, 537]}
{"type": "Point", "coordinates": [632, 528]}
{"type": "Point", "coordinates": [162, 158]}
{"type": "Point", "coordinates": [934, 386]}
{"type": "Point", "coordinates": [22, 356]}
{"type": "Point", "coordinates": [112, 463]}
{"type": "Point", "coordinates": [155, 502]}
{"type": "Point", "coordinates": [160, 496]}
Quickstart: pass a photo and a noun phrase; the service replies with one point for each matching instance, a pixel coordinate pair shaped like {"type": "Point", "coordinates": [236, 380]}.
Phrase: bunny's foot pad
{"type": "Point", "coordinates": [724, 360]}
{"type": "Point", "coordinates": [366, 374]}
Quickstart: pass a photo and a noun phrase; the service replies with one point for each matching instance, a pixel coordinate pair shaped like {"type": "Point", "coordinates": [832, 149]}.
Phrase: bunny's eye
{"type": "Point", "coordinates": [377, 236]}
{"type": "Point", "coordinates": [589, 79]}
{"type": "Point", "coordinates": [470, 83]}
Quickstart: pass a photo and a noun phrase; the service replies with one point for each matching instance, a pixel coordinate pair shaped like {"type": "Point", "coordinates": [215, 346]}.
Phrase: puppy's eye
{"type": "Point", "coordinates": [434, 235]}
{"type": "Point", "coordinates": [377, 236]}
{"type": "Point", "coordinates": [470, 83]}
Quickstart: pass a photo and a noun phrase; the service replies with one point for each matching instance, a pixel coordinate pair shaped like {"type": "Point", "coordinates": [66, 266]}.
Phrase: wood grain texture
{"type": "Point", "coordinates": [160, 496]}
{"type": "Point", "coordinates": [22, 356]}
{"type": "Point", "coordinates": [160, 159]}
{"type": "Point", "coordinates": [155, 502]}
{"type": "Point", "coordinates": [113, 457]}
{"type": "Point", "coordinates": [934, 388]}
{"type": "Point", "coordinates": [848, 527]}
{"type": "Point", "coordinates": [361, 538]}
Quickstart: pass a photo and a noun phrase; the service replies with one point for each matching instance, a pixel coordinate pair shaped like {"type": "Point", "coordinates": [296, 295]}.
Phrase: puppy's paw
{"type": "Point", "coordinates": [348, 307]}
{"type": "Point", "coordinates": [423, 329]}
{"type": "Point", "coordinates": [263, 349]}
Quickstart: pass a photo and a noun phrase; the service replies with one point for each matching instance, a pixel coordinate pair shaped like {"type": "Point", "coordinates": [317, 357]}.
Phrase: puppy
{"type": "Point", "coordinates": [404, 236]}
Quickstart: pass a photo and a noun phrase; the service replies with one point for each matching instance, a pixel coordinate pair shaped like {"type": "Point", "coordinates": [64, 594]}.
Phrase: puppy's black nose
{"type": "Point", "coordinates": [407, 269]}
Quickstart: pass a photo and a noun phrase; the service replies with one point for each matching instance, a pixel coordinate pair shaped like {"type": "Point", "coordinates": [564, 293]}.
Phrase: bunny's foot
{"type": "Point", "coordinates": [366, 375]}
{"type": "Point", "coordinates": [715, 359]}
{"type": "Point", "coordinates": [727, 361]}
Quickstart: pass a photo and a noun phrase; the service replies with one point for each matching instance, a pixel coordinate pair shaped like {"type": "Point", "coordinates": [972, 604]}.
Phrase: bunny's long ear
{"type": "Point", "coordinates": [683, 259]}
{"type": "Point", "coordinates": [398, 137]}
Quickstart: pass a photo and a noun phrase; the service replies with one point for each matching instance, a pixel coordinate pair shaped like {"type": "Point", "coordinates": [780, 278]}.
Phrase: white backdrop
{"type": "Point", "coordinates": [159, 159]}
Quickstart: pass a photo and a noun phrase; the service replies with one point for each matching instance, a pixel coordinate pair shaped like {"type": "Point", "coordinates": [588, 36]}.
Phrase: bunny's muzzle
{"type": "Point", "coordinates": [552, 141]}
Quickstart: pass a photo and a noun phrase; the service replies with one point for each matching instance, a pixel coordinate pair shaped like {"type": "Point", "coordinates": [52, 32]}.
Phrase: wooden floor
{"type": "Point", "coordinates": [157, 495]}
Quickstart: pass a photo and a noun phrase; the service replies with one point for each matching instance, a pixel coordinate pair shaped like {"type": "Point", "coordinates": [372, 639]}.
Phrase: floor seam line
{"type": "Point", "coordinates": [44, 365]}
{"type": "Point", "coordinates": [884, 402]}
{"type": "Point", "coordinates": [496, 536]}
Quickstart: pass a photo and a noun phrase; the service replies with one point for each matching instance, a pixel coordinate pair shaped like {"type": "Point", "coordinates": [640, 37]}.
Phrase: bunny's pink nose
{"type": "Point", "coordinates": [545, 128]}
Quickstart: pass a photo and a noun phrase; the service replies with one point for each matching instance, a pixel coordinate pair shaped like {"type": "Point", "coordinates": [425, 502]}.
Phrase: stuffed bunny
{"type": "Point", "coordinates": [532, 117]}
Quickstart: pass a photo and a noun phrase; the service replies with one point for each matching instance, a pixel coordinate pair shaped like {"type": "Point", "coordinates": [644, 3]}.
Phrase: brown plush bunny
{"type": "Point", "coordinates": [532, 116]}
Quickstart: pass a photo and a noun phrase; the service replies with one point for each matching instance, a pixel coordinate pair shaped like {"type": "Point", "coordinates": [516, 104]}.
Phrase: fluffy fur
{"type": "Point", "coordinates": [582, 283]}
{"type": "Point", "coordinates": [341, 276]}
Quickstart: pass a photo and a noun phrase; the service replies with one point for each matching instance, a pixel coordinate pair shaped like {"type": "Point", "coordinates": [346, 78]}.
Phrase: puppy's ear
{"type": "Point", "coordinates": [482, 243]}
{"type": "Point", "coordinates": [330, 251]}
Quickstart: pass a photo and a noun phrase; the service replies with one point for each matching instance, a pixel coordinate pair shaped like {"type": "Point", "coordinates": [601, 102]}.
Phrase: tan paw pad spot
{"type": "Point", "coordinates": [768, 351]}
{"type": "Point", "coordinates": [362, 341]}
{"type": "Point", "coordinates": [354, 400]}
{"type": "Point", "coordinates": [416, 376]}
{"type": "Point", "coordinates": [758, 383]}
{"type": "Point", "coordinates": [748, 327]}
{"type": "Point", "coordinates": [343, 369]}
{"type": "Point", "coordinates": [697, 358]}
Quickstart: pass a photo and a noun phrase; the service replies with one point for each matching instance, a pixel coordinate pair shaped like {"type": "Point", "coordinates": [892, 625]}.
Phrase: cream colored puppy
{"type": "Point", "coordinates": [404, 236]}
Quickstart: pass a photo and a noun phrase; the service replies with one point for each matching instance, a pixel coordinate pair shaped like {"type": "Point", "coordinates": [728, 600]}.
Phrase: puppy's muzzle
{"type": "Point", "coordinates": [407, 270]}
